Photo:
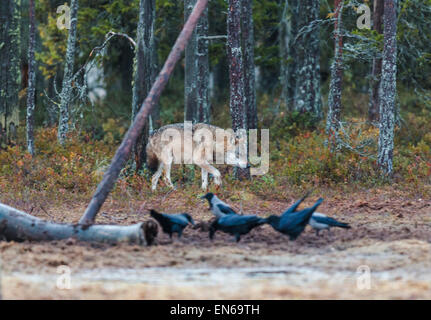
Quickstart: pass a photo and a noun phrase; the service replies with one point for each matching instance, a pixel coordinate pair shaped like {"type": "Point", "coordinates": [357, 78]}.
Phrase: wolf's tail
{"type": "Point", "coordinates": [152, 159]}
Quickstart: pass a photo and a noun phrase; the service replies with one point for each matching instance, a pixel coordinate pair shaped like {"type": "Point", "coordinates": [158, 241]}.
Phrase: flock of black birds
{"type": "Point", "coordinates": [291, 222]}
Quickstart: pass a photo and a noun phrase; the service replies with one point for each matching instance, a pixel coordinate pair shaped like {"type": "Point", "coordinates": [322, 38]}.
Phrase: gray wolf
{"type": "Point", "coordinates": [199, 144]}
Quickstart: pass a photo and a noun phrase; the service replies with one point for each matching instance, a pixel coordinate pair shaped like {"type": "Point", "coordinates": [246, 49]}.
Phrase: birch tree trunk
{"type": "Point", "coordinates": [31, 79]}
{"type": "Point", "coordinates": [373, 110]}
{"type": "Point", "coordinates": [144, 73]}
{"type": "Point", "coordinates": [10, 71]}
{"type": "Point", "coordinates": [388, 88]}
{"type": "Point", "coordinates": [307, 77]}
{"type": "Point", "coordinates": [249, 66]}
{"type": "Point", "coordinates": [66, 91]}
{"type": "Point", "coordinates": [334, 99]}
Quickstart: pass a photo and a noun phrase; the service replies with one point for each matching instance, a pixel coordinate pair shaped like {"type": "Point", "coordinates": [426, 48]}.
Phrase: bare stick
{"type": "Point", "coordinates": [123, 152]}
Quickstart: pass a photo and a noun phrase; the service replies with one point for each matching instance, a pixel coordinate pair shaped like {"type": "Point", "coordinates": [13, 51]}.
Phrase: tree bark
{"type": "Point", "coordinates": [66, 91]}
{"type": "Point", "coordinates": [31, 79]}
{"type": "Point", "coordinates": [285, 39]}
{"type": "Point", "coordinates": [123, 152]}
{"type": "Point", "coordinates": [373, 110]}
{"type": "Point", "coordinates": [335, 88]}
{"type": "Point", "coordinates": [10, 71]}
{"type": "Point", "coordinates": [19, 226]}
{"type": "Point", "coordinates": [203, 70]}
{"type": "Point", "coordinates": [236, 66]}
{"type": "Point", "coordinates": [144, 73]}
{"type": "Point", "coordinates": [307, 43]}
{"type": "Point", "coordinates": [196, 82]}
{"type": "Point", "coordinates": [388, 88]}
{"type": "Point", "coordinates": [249, 66]}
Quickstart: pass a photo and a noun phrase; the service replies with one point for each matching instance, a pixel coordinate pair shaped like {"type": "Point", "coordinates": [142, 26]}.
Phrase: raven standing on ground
{"type": "Point", "coordinates": [217, 206]}
{"type": "Point", "coordinates": [172, 223]}
{"type": "Point", "coordinates": [235, 225]}
{"type": "Point", "coordinates": [293, 224]}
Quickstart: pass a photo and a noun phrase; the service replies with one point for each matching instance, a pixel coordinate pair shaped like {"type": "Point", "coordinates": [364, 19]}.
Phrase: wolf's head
{"type": "Point", "coordinates": [237, 152]}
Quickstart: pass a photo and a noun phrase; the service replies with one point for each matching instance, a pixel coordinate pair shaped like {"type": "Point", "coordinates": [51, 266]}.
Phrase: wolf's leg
{"type": "Point", "coordinates": [156, 176]}
{"type": "Point", "coordinates": [209, 168]}
{"type": "Point", "coordinates": [167, 176]}
{"type": "Point", "coordinates": [204, 179]}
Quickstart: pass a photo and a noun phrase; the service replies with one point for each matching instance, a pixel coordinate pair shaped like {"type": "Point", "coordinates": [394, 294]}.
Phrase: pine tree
{"type": "Point", "coordinates": [373, 110]}
{"type": "Point", "coordinates": [144, 74]}
{"type": "Point", "coordinates": [388, 88]}
{"type": "Point", "coordinates": [31, 78]}
{"type": "Point", "coordinates": [334, 103]}
{"type": "Point", "coordinates": [10, 72]}
{"type": "Point", "coordinates": [249, 66]}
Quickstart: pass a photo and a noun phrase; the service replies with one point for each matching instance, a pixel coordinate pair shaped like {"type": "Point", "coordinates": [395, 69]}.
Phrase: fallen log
{"type": "Point", "coordinates": [19, 226]}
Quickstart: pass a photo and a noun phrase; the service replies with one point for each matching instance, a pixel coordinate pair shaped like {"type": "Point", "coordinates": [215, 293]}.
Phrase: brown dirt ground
{"type": "Point", "coordinates": [390, 235]}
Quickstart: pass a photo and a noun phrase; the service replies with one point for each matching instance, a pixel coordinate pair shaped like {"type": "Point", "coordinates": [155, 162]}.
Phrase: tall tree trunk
{"type": "Point", "coordinates": [31, 79]}
{"type": "Point", "coordinates": [236, 66]}
{"type": "Point", "coordinates": [307, 88]}
{"type": "Point", "coordinates": [373, 110]}
{"type": "Point", "coordinates": [388, 88]}
{"type": "Point", "coordinates": [10, 71]}
{"type": "Point", "coordinates": [334, 100]}
{"type": "Point", "coordinates": [144, 73]}
{"type": "Point", "coordinates": [203, 72]}
{"type": "Point", "coordinates": [236, 74]}
{"type": "Point", "coordinates": [191, 70]}
{"type": "Point", "coordinates": [249, 66]}
{"type": "Point", "coordinates": [285, 38]}
{"type": "Point", "coordinates": [66, 90]}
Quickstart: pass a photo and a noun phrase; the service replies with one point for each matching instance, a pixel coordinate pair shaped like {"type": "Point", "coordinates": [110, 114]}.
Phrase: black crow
{"type": "Point", "coordinates": [172, 223]}
{"type": "Point", "coordinates": [320, 221]}
{"type": "Point", "coordinates": [293, 224]}
{"type": "Point", "coordinates": [218, 207]}
{"type": "Point", "coordinates": [235, 225]}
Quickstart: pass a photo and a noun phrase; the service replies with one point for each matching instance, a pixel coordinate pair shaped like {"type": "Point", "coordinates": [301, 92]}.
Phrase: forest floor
{"type": "Point", "coordinates": [390, 238]}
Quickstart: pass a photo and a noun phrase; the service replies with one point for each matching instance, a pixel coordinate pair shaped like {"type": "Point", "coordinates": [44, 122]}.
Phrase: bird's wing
{"type": "Point", "coordinates": [236, 220]}
{"type": "Point", "coordinates": [328, 220]}
{"type": "Point", "coordinates": [225, 209]}
{"type": "Point", "coordinates": [178, 219]}
{"type": "Point", "coordinates": [296, 204]}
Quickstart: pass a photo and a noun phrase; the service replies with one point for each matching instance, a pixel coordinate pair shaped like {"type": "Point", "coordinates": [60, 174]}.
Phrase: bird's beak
{"type": "Point", "coordinates": [203, 197]}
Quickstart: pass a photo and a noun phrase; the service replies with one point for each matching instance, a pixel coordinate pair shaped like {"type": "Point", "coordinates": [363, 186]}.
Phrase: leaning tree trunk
{"type": "Point", "coordinates": [203, 71]}
{"type": "Point", "coordinates": [388, 88]}
{"type": "Point", "coordinates": [307, 43]}
{"type": "Point", "coordinates": [31, 79]}
{"type": "Point", "coordinates": [335, 87]}
{"type": "Point", "coordinates": [249, 66]}
{"type": "Point", "coordinates": [66, 91]}
{"type": "Point", "coordinates": [19, 226]}
{"type": "Point", "coordinates": [123, 152]}
{"type": "Point", "coordinates": [373, 109]}
{"type": "Point", "coordinates": [144, 73]}
{"type": "Point", "coordinates": [10, 71]}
